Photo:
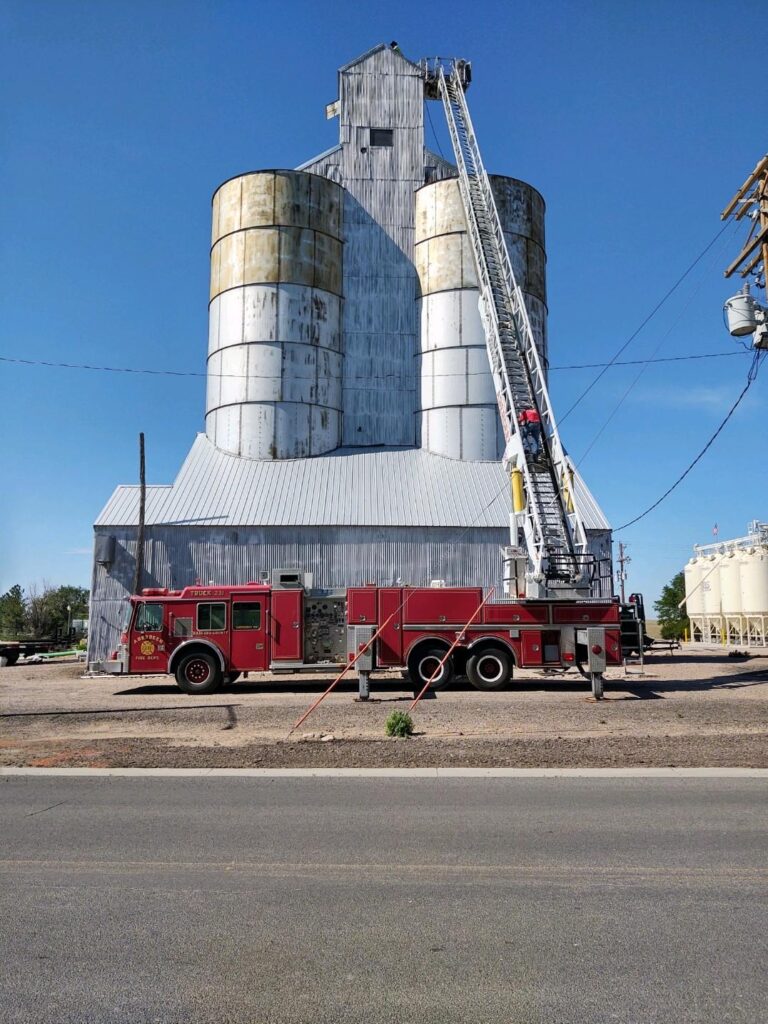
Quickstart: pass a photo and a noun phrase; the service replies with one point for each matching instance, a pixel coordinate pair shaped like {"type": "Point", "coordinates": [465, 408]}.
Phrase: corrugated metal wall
{"type": "Point", "coordinates": [176, 556]}
{"type": "Point", "coordinates": [380, 318]}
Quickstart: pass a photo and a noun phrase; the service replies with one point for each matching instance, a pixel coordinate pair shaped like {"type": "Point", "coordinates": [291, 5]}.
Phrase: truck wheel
{"type": "Point", "coordinates": [4, 660]}
{"type": "Point", "coordinates": [198, 673]}
{"type": "Point", "coordinates": [13, 657]}
{"type": "Point", "coordinates": [490, 669]}
{"type": "Point", "coordinates": [597, 685]}
{"type": "Point", "coordinates": [422, 665]}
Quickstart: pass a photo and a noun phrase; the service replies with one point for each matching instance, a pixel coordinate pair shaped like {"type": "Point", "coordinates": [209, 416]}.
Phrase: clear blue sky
{"type": "Point", "coordinates": [633, 119]}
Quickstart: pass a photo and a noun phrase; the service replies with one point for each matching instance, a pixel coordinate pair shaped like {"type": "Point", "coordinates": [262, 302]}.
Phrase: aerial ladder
{"type": "Point", "coordinates": [545, 507]}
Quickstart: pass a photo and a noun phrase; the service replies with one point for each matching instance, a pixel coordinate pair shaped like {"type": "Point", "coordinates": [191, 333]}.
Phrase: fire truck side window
{"type": "Point", "coordinates": [246, 616]}
{"type": "Point", "coordinates": [211, 618]}
{"type": "Point", "coordinates": [149, 618]}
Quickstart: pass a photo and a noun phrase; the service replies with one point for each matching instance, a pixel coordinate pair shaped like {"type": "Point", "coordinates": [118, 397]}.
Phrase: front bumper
{"type": "Point", "coordinates": [114, 668]}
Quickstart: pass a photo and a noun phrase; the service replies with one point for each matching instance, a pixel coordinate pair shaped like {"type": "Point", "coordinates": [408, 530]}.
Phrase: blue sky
{"type": "Point", "coordinates": [118, 121]}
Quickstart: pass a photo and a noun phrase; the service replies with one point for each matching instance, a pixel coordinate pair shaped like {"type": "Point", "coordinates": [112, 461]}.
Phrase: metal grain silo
{"type": "Point", "coordinates": [730, 583]}
{"type": "Point", "coordinates": [694, 595]}
{"type": "Point", "coordinates": [754, 582]}
{"type": "Point", "coordinates": [711, 585]}
{"type": "Point", "coordinates": [457, 415]}
{"type": "Point", "coordinates": [275, 344]}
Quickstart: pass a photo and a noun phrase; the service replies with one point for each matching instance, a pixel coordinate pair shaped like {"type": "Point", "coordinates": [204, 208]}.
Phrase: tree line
{"type": "Point", "coordinates": [41, 612]}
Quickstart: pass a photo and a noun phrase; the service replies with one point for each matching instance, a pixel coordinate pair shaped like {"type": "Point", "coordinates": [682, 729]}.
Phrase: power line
{"type": "Point", "coordinates": [434, 133]}
{"type": "Point", "coordinates": [636, 380]}
{"type": "Point", "coordinates": [750, 380]}
{"type": "Point", "coordinates": [52, 364]}
{"type": "Point", "coordinates": [650, 316]}
{"type": "Point", "coordinates": [646, 362]}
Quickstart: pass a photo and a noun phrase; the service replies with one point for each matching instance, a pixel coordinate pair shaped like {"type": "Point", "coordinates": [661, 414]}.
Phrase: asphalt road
{"type": "Point", "coordinates": [334, 900]}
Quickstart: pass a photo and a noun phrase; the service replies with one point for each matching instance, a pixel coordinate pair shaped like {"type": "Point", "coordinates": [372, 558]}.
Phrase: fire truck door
{"type": "Point", "coordinates": [249, 651]}
{"type": "Point", "coordinates": [148, 636]}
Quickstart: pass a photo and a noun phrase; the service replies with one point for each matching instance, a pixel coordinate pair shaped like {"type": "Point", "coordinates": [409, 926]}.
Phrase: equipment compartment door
{"type": "Point", "coordinates": [287, 625]}
{"type": "Point", "coordinates": [249, 634]}
{"type": "Point", "coordinates": [390, 642]}
{"type": "Point", "coordinates": [532, 652]}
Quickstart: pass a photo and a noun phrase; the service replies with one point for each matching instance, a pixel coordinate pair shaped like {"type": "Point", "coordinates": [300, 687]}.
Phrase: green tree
{"type": "Point", "coordinates": [13, 612]}
{"type": "Point", "coordinates": [47, 612]}
{"type": "Point", "coordinates": [672, 620]}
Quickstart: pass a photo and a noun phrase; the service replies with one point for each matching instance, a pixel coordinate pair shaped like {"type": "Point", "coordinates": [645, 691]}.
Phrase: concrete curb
{"type": "Point", "coordinates": [392, 773]}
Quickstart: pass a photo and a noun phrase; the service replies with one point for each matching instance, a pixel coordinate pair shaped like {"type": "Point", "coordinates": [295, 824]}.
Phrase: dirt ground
{"type": "Point", "coordinates": [690, 708]}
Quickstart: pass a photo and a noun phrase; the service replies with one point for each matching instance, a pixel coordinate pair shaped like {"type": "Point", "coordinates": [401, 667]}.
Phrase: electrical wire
{"type": "Point", "coordinates": [646, 362]}
{"type": "Point", "coordinates": [434, 133]}
{"type": "Point", "coordinates": [751, 376]}
{"type": "Point", "coordinates": [17, 360]}
{"type": "Point", "coordinates": [654, 311]}
{"type": "Point", "coordinates": [644, 366]}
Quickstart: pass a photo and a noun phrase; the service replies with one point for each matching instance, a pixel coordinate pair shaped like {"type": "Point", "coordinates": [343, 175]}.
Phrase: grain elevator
{"type": "Point", "coordinates": [351, 426]}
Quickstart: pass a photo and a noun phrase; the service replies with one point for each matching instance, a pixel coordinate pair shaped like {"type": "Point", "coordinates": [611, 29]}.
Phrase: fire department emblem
{"type": "Point", "coordinates": [147, 648]}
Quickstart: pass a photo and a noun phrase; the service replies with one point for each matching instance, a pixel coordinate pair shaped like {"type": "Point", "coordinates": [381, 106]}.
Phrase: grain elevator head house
{"type": "Point", "coordinates": [351, 427]}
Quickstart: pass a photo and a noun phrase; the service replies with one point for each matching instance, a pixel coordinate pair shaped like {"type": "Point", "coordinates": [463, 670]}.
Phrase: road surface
{"type": "Point", "coordinates": [523, 901]}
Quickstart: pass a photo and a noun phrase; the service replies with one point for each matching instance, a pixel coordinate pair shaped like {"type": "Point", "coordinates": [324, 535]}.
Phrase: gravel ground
{"type": "Point", "coordinates": [696, 708]}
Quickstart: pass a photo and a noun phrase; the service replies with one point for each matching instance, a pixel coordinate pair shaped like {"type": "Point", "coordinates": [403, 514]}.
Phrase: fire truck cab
{"type": "Point", "coordinates": [209, 635]}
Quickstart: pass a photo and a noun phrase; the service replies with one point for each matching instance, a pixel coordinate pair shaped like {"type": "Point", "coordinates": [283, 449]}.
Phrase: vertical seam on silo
{"type": "Point", "coordinates": [243, 297]}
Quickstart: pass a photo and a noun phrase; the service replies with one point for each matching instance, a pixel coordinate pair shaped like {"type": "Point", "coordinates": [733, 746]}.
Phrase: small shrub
{"type": "Point", "coordinates": [400, 724]}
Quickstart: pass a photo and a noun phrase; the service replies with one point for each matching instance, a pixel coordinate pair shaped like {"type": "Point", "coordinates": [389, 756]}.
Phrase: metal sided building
{"type": "Point", "coordinates": [351, 424]}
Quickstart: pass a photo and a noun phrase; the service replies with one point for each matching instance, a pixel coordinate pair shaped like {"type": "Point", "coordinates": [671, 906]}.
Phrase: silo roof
{"type": "Point", "coordinates": [347, 487]}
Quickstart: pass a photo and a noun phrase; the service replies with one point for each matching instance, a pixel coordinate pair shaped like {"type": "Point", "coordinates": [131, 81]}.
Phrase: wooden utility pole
{"type": "Point", "coordinates": [138, 578]}
{"type": "Point", "coordinates": [751, 201]}
{"type": "Point", "coordinates": [623, 560]}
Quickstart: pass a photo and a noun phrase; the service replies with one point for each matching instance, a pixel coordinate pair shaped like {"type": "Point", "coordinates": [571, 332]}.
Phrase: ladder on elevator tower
{"type": "Point", "coordinates": [555, 538]}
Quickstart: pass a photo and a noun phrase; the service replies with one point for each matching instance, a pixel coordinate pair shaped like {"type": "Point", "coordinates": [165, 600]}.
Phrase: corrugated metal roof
{"type": "Point", "coordinates": [320, 156]}
{"type": "Point", "coordinates": [348, 487]}
{"type": "Point", "coordinates": [379, 48]}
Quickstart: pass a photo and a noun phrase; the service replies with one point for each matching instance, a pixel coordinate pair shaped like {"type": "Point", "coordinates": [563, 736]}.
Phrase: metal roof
{"type": "Point", "coordinates": [347, 487]}
{"type": "Point", "coordinates": [379, 48]}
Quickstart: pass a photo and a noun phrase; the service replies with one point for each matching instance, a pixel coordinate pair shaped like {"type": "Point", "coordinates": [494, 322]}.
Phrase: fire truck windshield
{"type": "Point", "coordinates": [149, 617]}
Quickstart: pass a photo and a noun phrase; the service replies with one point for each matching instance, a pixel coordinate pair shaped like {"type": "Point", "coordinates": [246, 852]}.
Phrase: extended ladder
{"type": "Point", "coordinates": [556, 541]}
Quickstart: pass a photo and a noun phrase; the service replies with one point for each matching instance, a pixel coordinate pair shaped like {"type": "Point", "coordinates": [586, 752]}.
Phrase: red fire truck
{"type": "Point", "coordinates": [208, 636]}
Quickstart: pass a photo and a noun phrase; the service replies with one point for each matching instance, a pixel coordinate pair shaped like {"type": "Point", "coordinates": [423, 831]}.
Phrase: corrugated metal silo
{"type": "Point", "coordinates": [275, 346]}
{"type": "Point", "coordinates": [458, 417]}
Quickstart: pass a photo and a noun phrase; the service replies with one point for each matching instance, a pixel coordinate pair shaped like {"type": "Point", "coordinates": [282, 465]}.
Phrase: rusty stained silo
{"type": "Point", "coordinates": [457, 415]}
{"type": "Point", "coordinates": [275, 344]}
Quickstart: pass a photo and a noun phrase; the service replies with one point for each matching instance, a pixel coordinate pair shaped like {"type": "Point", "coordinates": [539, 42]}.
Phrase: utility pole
{"type": "Point", "coordinates": [623, 560]}
{"type": "Point", "coordinates": [751, 201]}
{"type": "Point", "coordinates": [138, 577]}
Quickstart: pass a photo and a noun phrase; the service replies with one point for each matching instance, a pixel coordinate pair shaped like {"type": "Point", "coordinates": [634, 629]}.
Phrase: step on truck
{"type": "Point", "coordinates": [208, 636]}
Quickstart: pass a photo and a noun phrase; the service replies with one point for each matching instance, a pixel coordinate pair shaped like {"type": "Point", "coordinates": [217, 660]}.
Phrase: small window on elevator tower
{"type": "Point", "coordinates": [381, 136]}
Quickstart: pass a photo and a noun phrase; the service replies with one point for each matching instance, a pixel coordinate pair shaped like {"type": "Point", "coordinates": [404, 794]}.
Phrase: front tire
{"type": "Point", "coordinates": [490, 669]}
{"type": "Point", "coordinates": [423, 664]}
{"type": "Point", "coordinates": [199, 673]}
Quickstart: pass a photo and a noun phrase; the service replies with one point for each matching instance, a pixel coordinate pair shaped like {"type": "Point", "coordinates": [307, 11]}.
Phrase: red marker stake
{"type": "Point", "coordinates": [341, 675]}
{"type": "Point", "coordinates": [445, 657]}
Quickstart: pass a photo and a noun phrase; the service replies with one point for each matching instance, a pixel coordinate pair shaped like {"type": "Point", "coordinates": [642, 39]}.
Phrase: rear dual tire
{"type": "Point", "coordinates": [423, 664]}
{"type": "Point", "coordinates": [490, 669]}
